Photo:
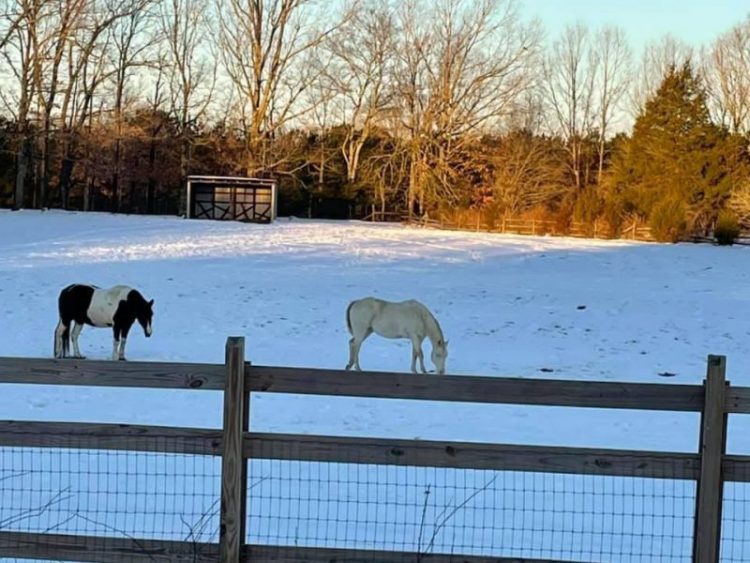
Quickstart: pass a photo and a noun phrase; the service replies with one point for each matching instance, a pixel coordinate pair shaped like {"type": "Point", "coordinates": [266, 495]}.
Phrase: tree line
{"type": "Point", "coordinates": [446, 108]}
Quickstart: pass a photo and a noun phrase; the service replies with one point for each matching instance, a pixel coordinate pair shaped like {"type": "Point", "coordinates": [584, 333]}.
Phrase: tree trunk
{"type": "Point", "coordinates": [87, 191]}
{"type": "Point", "coordinates": [184, 169]}
{"type": "Point", "coordinates": [151, 190]}
{"type": "Point", "coordinates": [116, 202]}
{"type": "Point", "coordinates": [43, 170]}
{"type": "Point", "coordinates": [66, 173]}
{"type": "Point", "coordinates": [412, 189]}
{"type": "Point", "coordinates": [23, 158]}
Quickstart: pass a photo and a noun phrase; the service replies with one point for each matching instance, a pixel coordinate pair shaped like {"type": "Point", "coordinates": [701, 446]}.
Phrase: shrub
{"type": "Point", "coordinates": [668, 221]}
{"type": "Point", "coordinates": [727, 230]}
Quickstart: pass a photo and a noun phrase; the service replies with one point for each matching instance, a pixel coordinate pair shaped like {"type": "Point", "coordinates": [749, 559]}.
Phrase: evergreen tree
{"type": "Point", "coordinates": [677, 168]}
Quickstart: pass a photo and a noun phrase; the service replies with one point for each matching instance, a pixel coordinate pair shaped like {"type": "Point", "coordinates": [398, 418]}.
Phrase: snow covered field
{"type": "Point", "coordinates": [509, 305]}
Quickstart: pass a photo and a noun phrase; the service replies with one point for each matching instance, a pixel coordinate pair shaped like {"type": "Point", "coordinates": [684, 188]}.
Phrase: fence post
{"type": "Point", "coordinates": [233, 465]}
{"type": "Point", "coordinates": [713, 438]}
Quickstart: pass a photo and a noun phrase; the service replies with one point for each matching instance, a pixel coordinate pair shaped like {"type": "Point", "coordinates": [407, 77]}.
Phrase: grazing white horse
{"type": "Point", "coordinates": [406, 319]}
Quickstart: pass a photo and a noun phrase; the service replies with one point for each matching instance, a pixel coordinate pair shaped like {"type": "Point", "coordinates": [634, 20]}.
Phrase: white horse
{"type": "Point", "coordinates": [407, 319]}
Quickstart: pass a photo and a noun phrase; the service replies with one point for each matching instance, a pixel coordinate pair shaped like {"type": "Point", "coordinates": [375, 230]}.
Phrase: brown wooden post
{"type": "Point", "coordinates": [233, 465]}
{"type": "Point", "coordinates": [713, 439]}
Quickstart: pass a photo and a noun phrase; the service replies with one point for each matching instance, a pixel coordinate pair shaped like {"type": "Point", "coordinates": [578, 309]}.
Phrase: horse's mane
{"type": "Point", "coordinates": [434, 324]}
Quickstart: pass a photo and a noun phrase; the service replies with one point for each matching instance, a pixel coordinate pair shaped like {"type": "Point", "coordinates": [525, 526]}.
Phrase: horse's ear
{"type": "Point", "coordinates": [446, 343]}
{"type": "Point", "coordinates": [151, 303]}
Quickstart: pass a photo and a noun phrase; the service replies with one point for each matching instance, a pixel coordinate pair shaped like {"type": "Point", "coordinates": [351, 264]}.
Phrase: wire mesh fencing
{"type": "Point", "coordinates": [735, 520]}
{"type": "Point", "coordinates": [438, 510]}
{"type": "Point", "coordinates": [110, 494]}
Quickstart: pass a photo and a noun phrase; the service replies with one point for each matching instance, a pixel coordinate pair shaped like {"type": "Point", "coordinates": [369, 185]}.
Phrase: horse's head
{"type": "Point", "coordinates": [145, 316]}
{"type": "Point", "coordinates": [439, 355]}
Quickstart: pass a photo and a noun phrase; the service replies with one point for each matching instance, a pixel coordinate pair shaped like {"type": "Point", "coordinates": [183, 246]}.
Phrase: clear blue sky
{"type": "Point", "coordinates": [693, 21]}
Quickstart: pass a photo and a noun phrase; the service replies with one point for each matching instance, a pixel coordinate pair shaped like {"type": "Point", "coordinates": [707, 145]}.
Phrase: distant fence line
{"type": "Point", "coordinates": [305, 498]}
{"type": "Point", "coordinates": [634, 229]}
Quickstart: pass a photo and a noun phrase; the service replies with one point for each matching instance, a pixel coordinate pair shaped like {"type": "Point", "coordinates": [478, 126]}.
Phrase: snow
{"type": "Point", "coordinates": [541, 307]}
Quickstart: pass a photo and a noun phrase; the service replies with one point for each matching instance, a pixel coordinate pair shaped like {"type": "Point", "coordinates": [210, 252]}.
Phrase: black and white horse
{"type": "Point", "coordinates": [117, 307]}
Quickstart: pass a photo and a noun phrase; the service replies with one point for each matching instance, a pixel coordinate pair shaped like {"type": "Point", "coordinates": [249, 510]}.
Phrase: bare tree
{"type": "Point", "coordinates": [461, 65]}
{"type": "Point", "coordinates": [320, 120]}
{"type": "Point", "coordinates": [87, 70]}
{"type": "Point", "coordinates": [357, 60]}
{"type": "Point", "coordinates": [192, 76]}
{"type": "Point", "coordinates": [130, 49]}
{"type": "Point", "coordinates": [60, 36]}
{"type": "Point", "coordinates": [23, 54]}
{"type": "Point", "coordinates": [10, 22]}
{"type": "Point", "coordinates": [571, 70]}
{"type": "Point", "coordinates": [658, 57]}
{"type": "Point", "coordinates": [529, 171]}
{"type": "Point", "coordinates": [264, 46]}
{"type": "Point", "coordinates": [612, 84]}
{"type": "Point", "coordinates": [726, 66]}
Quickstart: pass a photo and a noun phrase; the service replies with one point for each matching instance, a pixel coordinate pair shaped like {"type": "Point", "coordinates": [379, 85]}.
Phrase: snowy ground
{"type": "Point", "coordinates": [509, 305]}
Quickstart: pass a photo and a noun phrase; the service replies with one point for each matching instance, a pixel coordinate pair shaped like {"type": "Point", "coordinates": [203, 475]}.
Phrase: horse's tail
{"type": "Point", "coordinates": [348, 317]}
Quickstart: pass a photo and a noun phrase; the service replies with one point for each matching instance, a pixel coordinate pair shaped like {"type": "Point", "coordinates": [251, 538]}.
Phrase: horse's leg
{"type": "Point", "coordinates": [77, 328]}
{"type": "Point", "coordinates": [421, 357]}
{"type": "Point", "coordinates": [123, 339]}
{"type": "Point", "coordinates": [352, 354]}
{"type": "Point", "coordinates": [355, 343]}
{"type": "Point", "coordinates": [416, 354]}
{"type": "Point", "coordinates": [60, 334]}
{"type": "Point", "coordinates": [116, 341]}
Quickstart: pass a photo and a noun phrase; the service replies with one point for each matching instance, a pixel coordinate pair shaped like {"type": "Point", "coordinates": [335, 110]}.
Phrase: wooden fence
{"type": "Point", "coordinates": [536, 227]}
{"type": "Point", "coordinates": [634, 230]}
{"type": "Point", "coordinates": [514, 225]}
{"type": "Point", "coordinates": [709, 467]}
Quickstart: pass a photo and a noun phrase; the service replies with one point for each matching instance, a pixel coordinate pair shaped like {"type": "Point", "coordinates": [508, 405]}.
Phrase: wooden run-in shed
{"type": "Point", "coordinates": [232, 198]}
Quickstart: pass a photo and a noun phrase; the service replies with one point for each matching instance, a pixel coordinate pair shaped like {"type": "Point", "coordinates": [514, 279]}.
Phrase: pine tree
{"type": "Point", "coordinates": [676, 169]}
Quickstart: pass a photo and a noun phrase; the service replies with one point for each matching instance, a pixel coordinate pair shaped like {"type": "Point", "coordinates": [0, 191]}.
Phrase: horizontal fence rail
{"type": "Point", "coordinates": [323, 555]}
{"type": "Point", "coordinates": [97, 549]}
{"type": "Point", "coordinates": [121, 437]}
{"type": "Point", "coordinates": [370, 452]}
{"type": "Point", "coordinates": [98, 373]}
{"type": "Point", "coordinates": [476, 389]}
{"type": "Point", "coordinates": [382, 451]}
{"type": "Point", "coordinates": [464, 455]}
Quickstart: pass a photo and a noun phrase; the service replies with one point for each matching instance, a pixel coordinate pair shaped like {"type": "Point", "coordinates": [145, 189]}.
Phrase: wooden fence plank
{"type": "Point", "coordinates": [163, 375]}
{"type": "Point", "coordinates": [353, 449]}
{"type": "Point", "coordinates": [280, 554]}
{"type": "Point", "coordinates": [738, 400]}
{"type": "Point", "coordinates": [736, 468]}
{"type": "Point", "coordinates": [128, 437]}
{"type": "Point", "coordinates": [645, 396]}
{"type": "Point", "coordinates": [88, 548]}
{"type": "Point", "coordinates": [550, 392]}
{"type": "Point", "coordinates": [233, 489]}
{"type": "Point", "coordinates": [546, 459]}
{"type": "Point", "coordinates": [712, 448]}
